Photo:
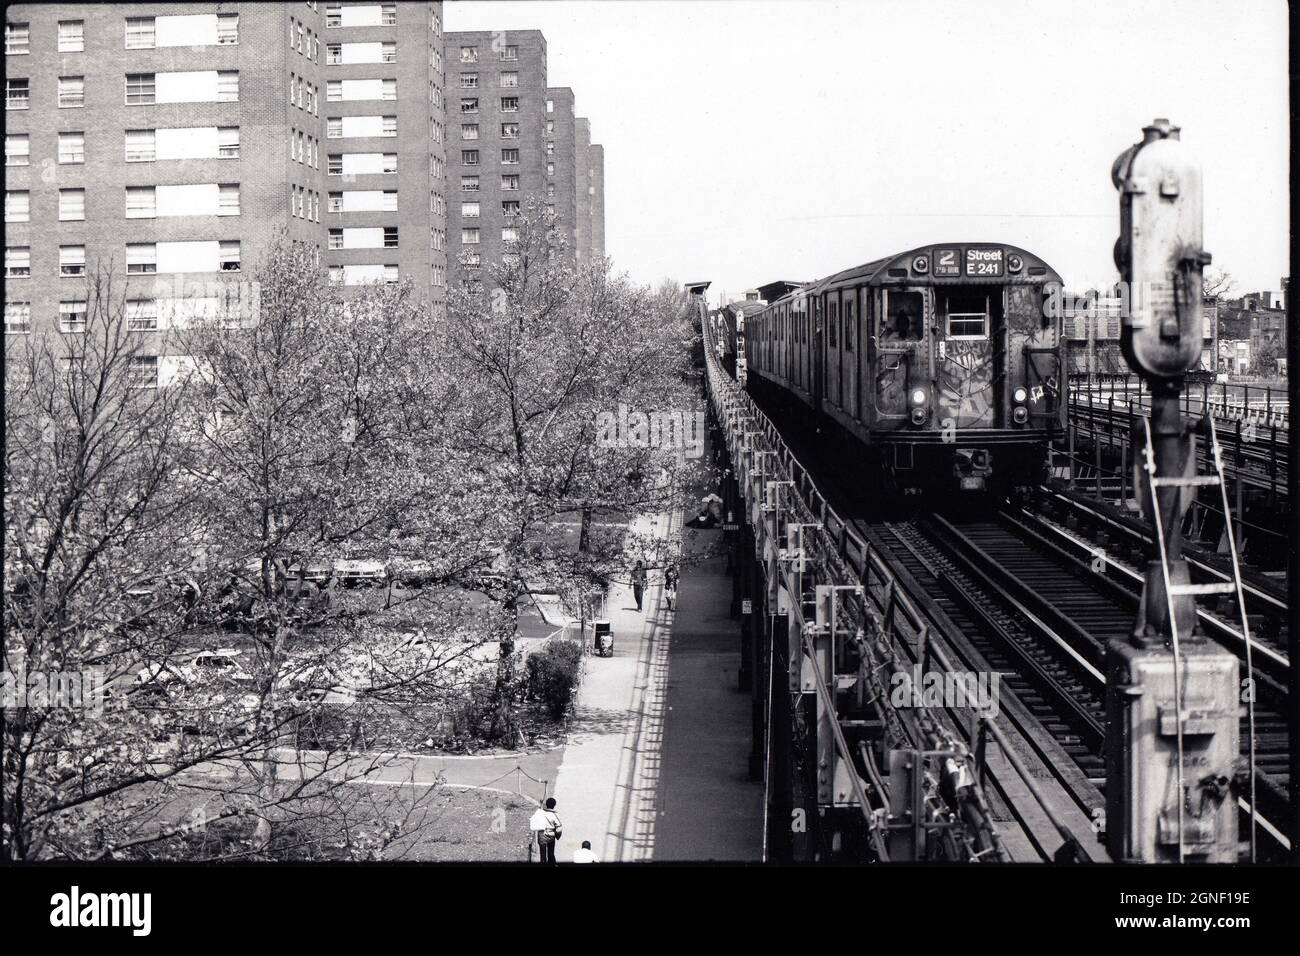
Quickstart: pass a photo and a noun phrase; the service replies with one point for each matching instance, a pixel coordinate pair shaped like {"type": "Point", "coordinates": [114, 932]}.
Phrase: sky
{"type": "Point", "coordinates": [753, 140]}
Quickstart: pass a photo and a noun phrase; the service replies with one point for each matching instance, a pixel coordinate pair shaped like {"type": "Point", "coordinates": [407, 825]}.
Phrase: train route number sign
{"type": "Point", "coordinates": [946, 262]}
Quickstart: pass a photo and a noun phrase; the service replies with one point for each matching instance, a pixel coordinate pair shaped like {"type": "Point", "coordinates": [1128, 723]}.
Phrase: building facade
{"type": "Point", "coordinates": [513, 139]}
{"type": "Point", "coordinates": [173, 143]}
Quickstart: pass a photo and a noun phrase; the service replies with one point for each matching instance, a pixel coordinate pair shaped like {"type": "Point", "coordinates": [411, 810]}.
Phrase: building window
{"type": "Point", "coordinates": [228, 28]}
{"type": "Point", "coordinates": [388, 15]}
{"type": "Point", "coordinates": [469, 54]}
{"type": "Point", "coordinates": [17, 94]}
{"type": "Point", "coordinates": [389, 125]}
{"type": "Point", "coordinates": [72, 92]}
{"type": "Point", "coordinates": [510, 207]}
{"type": "Point", "coordinates": [509, 234]}
{"type": "Point", "coordinates": [142, 315]}
{"type": "Point", "coordinates": [469, 130]}
{"type": "Point", "coordinates": [334, 128]}
{"type": "Point", "coordinates": [550, 169]}
{"type": "Point", "coordinates": [18, 318]}
{"type": "Point", "coordinates": [141, 258]}
{"type": "Point", "coordinates": [72, 261]}
{"type": "Point", "coordinates": [510, 157]}
{"type": "Point", "coordinates": [72, 205]}
{"type": "Point", "coordinates": [335, 202]}
{"type": "Point", "coordinates": [469, 157]}
{"type": "Point", "coordinates": [333, 54]}
{"type": "Point", "coordinates": [550, 149]}
{"type": "Point", "coordinates": [388, 52]}
{"type": "Point", "coordinates": [469, 210]}
{"type": "Point", "coordinates": [141, 202]}
{"type": "Point", "coordinates": [140, 88]}
{"type": "Point", "coordinates": [510, 53]}
{"type": "Point", "coordinates": [389, 163]}
{"type": "Point", "coordinates": [509, 184]}
{"type": "Point", "coordinates": [550, 190]}
{"type": "Point", "coordinates": [469, 105]}
{"type": "Point", "coordinates": [509, 130]}
{"type": "Point", "coordinates": [390, 237]}
{"type": "Point", "coordinates": [17, 205]}
{"type": "Point", "coordinates": [72, 315]}
{"type": "Point", "coordinates": [334, 165]}
{"type": "Point", "coordinates": [473, 260]}
{"type": "Point", "coordinates": [509, 80]}
{"type": "Point", "coordinates": [144, 371]}
{"type": "Point", "coordinates": [140, 146]}
{"type": "Point", "coordinates": [469, 81]}
{"type": "Point", "coordinates": [18, 262]}
{"type": "Point", "coordinates": [335, 239]}
{"type": "Point", "coordinates": [228, 199]}
{"type": "Point", "coordinates": [228, 142]}
{"type": "Point", "coordinates": [72, 36]}
{"type": "Point", "coordinates": [139, 33]}
{"type": "Point", "coordinates": [72, 147]}
{"type": "Point", "coordinates": [509, 104]}
{"type": "Point", "coordinates": [469, 237]}
{"type": "Point", "coordinates": [550, 126]}
{"type": "Point", "coordinates": [228, 86]}
{"type": "Point", "coordinates": [334, 15]}
{"type": "Point", "coordinates": [228, 255]}
{"type": "Point", "coordinates": [469, 183]}
{"type": "Point", "coordinates": [550, 106]}
{"type": "Point", "coordinates": [18, 39]}
{"type": "Point", "coordinates": [18, 149]}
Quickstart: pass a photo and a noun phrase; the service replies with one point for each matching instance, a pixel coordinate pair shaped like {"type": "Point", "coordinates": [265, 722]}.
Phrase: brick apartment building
{"type": "Point", "coordinates": [514, 138]}
{"type": "Point", "coordinates": [177, 140]}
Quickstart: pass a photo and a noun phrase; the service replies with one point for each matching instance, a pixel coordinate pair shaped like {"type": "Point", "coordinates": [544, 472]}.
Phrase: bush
{"type": "Point", "coordinates": [553, 674]}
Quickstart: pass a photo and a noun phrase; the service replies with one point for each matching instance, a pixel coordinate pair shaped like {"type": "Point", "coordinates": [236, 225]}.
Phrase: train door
{"type": "Point", "coordinates": [818, 345]}
{"type": "Point", "coordinates": [900, 364]}
{"type": "Point", "coordinates": [969, 323]}
{"type": "Point", "coordinates": [848, 350]}
{"type": "Point", "coordinates": [833, 350]}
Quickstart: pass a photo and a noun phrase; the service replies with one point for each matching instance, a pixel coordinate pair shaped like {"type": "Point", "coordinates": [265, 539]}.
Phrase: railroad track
{"type": "Point", "coordinates": [1042, 618]}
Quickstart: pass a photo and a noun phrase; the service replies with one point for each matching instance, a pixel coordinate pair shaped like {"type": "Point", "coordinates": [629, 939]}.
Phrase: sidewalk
{"type": "Point", "coordinates": [657, 760]}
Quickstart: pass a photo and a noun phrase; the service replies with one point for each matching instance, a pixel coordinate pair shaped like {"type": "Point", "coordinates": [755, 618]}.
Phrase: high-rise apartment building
{"type": "Point", "coordinates": [174, 142]}
{"type": "Point", "coordinates": [517, 139]}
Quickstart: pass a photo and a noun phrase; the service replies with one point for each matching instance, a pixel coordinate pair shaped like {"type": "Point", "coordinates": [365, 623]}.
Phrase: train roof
{"type": "Point", "coordinates": [878, 271]}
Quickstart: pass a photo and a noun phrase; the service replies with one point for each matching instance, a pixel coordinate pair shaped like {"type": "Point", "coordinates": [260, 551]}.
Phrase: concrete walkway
{"type": "Point", "coordinates": [656, 763]}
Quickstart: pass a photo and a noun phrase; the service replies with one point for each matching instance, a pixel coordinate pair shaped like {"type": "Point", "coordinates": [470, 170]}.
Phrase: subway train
{"type": "Point", "coordinates": [938, 368]}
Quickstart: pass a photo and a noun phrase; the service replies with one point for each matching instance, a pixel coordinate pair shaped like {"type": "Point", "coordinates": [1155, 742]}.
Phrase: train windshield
{"type": "Point", "coordinates": [966, 314]}
{"type": "Point", "coordinates": [904, 317]}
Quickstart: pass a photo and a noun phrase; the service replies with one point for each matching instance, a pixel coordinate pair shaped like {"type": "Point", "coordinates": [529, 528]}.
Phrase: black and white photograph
{"type": "Point", "coordinates": [820, 449]}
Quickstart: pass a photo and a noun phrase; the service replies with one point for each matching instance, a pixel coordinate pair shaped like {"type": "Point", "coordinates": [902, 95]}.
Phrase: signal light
{"type": "Point", "coordinates": [1020, 415]}
{"type": "Point", "coordinates": [1020, 394]}
{"type": "Point", "coordinates": [918, 415]}
{"type": "Point", "coordinates": [918, 396]}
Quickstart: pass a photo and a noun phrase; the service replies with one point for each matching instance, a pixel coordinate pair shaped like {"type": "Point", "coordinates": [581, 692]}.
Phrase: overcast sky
{"type": "Point", "coordinates": [753, 140]}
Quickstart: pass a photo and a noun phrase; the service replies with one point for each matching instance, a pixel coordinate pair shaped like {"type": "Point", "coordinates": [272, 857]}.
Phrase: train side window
{"type": "Point", "coordinates": [832, 322]}
{"type": "Point", "coordinates": [903, 317]}
{"type": "Point", "coordinates": [848, 325]}
{"type": "Point", "coordinates": [967, 314]}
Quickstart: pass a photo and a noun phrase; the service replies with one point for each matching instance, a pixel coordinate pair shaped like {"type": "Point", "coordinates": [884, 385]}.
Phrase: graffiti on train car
{"type": "Point", "coordinates": [966, 384]}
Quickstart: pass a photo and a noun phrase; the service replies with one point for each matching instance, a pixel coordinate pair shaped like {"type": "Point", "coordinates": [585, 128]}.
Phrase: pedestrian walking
{"type": "Point", "coordinates": [583, 854]}
{"type": "Point", "coordinates": [547, 830]}
{"type": "Point", "coordinates": [638, 583]}
{"type": "Point", "coordinates": [670, 586]}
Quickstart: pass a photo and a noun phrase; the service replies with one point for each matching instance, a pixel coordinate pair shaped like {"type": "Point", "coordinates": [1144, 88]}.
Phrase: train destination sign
{"type": "Point", "coordinates": [984, 262]}
{"type": "Point", "coordinates": [947, 262]}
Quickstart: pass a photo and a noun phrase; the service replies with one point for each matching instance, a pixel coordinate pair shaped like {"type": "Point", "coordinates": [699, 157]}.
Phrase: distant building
{"type": "Point", "coordinates": [1091, 325]}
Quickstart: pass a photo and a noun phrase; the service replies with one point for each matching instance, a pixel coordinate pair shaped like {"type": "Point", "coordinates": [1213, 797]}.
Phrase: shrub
{"type": "Point", "coordinates": [553, 674]}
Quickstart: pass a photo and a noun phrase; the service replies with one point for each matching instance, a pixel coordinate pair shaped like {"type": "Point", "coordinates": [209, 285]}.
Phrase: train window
{"type": "Point", "coordinates": [832, 323]}
{"type": "Point", "coordinates": [848, 325]}
{"type": "Point", "coordinates": [967, 314]}
{"type": "Point", "coordinates": [903, 317]}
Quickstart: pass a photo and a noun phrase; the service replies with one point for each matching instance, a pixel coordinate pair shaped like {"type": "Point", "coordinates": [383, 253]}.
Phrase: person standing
{"type": "Point", "coordinates": [638, 583]}
{"type": "Point", "coordinates": [670, 586]}
{"type": "Point", "coordinates": [584, 854]}
{"type": "Point", "coordinates": [547, 829]}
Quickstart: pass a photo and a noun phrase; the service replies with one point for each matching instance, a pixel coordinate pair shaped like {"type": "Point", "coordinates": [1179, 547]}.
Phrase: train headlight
{"type": "Point", "coordinates": [1020, 394]}
{"type": "Point", "coordinates": [1020, 415]}
{"type": "Point", "coordinates": [918, 415]}
{"type": "Point", "coordinates": [918, 396]}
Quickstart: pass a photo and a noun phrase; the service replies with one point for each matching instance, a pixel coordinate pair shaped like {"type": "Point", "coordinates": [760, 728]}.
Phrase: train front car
{"type": "Point", "coordinates": [960, 386]}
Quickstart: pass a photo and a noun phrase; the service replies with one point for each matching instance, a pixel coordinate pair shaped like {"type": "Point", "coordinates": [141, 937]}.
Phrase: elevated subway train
{"type": "Point", "coordinates": [940, 363]}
